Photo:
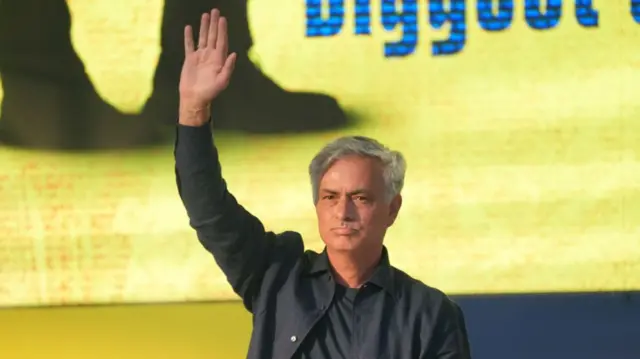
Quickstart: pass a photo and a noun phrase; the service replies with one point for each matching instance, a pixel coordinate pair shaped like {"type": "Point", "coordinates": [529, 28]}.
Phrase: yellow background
{"type": "Point", "coordinates": [523, 161]}
{"type": "Point", "coordinates": [163, 331]}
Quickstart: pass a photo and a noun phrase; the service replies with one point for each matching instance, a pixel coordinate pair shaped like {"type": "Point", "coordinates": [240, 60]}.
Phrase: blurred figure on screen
{"type": "Point", "coordinates": [50, 102]}
{"type": "Point", "coordinates": [345, 302]}
{"type": "Point", "coordinates": [253, 102]}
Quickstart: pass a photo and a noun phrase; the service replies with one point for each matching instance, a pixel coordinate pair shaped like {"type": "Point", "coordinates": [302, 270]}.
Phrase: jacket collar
{"type": "Point", "coordinates": [382, 275]}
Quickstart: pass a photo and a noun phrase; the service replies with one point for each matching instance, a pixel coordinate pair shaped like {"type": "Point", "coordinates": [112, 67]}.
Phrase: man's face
{"type": "Point", "coordinates": [352, 209]}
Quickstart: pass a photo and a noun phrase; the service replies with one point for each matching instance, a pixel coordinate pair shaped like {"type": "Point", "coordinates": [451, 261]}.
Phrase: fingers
{"type": "Point", "coordinates": [227, 69]}
{"type": "Point", "coordinates": [205, 24]}
{"type": "Point", "coordinates": [222, 41]}
{"type": "Point", "coordinates": [188, 40]}
{"type": "Point", "coordinates": [213, 28]}
{"type": "Point", "coordinates": [213, 33]}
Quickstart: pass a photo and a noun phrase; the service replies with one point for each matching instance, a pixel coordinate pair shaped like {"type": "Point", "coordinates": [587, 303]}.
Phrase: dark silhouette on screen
{"type": "Point", "coordinates": [49, 101]}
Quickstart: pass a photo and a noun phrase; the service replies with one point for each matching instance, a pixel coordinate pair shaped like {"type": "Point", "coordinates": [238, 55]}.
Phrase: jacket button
{"type": "Point", "coordinates": [294, 338]}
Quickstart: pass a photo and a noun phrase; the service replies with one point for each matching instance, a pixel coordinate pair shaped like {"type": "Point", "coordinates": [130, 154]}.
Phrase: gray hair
{"type": "Point", "coordinates": [394, 164]}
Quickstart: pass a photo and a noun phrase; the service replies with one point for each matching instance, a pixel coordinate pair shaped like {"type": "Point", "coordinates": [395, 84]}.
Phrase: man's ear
{"type": "Point", "coordinates": [394, 209]}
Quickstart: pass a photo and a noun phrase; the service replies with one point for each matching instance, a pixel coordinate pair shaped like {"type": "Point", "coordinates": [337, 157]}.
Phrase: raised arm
{"type": "Point", "coordinates": [237, 240]}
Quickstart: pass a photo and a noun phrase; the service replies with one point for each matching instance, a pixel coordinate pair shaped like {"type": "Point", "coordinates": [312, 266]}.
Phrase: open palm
{"type": "Point", "coordinates": [207, 69]}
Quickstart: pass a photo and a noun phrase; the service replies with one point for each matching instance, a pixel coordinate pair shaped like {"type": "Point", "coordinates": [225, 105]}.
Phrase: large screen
{"type": "Point", "coordinates": [520, 122]}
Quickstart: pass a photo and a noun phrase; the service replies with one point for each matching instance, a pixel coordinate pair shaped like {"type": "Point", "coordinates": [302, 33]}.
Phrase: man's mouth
{"type": "Point", "coordinates": [343, 231]}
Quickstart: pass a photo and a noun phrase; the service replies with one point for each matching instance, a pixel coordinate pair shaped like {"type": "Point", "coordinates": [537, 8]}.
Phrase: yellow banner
{"type": "Point", "coordinates": [519, 121]}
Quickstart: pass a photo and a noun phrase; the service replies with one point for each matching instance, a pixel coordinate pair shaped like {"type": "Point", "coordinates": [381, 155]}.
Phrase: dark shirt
{"type": "Point", "coordinates": [332, 336]}
{"type": "Point", "coordinates": [299, 311]}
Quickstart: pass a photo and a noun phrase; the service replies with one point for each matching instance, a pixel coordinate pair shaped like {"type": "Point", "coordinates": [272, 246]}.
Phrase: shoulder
{"type": "Point", "coordinates": [422, 297]}
{"type": "Point", "coordinates": [283, 255]}
{"type": "Point", "coordinates": [289, 242]}
{"type": "Point", "coordinates": [436, 312]}
{"type": "Point", "coordinates": [285, 249]}
{"type": "Point", "coordinates": [408, 285]}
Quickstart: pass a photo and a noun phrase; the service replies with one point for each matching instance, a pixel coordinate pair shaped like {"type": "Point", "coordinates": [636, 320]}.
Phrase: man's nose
{"type": "Point", "coordinates": [344, 209]}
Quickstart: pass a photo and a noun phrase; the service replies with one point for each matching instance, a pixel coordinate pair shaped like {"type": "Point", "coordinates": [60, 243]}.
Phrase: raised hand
{"type": "Point", "coordinates": [207, 69]}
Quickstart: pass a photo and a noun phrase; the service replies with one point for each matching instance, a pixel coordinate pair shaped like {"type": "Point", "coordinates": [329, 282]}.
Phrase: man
{"type": "Point", "coordinates": [346, 302]}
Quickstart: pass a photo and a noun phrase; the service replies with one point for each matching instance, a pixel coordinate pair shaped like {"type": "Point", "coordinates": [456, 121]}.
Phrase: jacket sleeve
{"type": "Point", "coordinates": [237, 240]}
{"type": "Point", "coordinates": [450, 339]}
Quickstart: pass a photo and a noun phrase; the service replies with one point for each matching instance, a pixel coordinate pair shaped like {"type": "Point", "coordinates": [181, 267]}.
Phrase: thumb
{"type": "Point", "coordinates": [227, 69]}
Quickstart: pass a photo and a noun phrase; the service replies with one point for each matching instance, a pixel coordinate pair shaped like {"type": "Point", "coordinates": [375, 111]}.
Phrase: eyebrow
{"type": "Point", "coordinates": [350, 193]}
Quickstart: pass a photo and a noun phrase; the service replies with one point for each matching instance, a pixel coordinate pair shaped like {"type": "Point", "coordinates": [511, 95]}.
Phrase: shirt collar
{"type": "Point", "coordinates": [382, 275]}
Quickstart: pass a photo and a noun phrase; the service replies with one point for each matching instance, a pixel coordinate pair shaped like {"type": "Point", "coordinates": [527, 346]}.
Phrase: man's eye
{"type": "Point", "coordinates": [329, 197]}
{"type": "Point", "coordinates": [361, 198]}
